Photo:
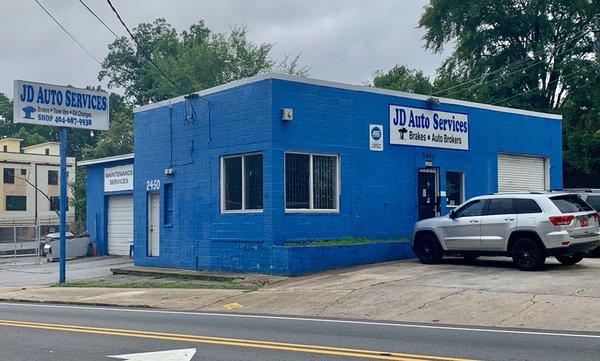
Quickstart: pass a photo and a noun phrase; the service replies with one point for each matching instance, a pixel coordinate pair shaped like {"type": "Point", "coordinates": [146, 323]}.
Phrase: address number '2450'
{"type": "Point", "coordinates": [152, 185]}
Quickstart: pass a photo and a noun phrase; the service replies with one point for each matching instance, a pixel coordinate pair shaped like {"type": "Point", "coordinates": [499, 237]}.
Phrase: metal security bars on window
{"type": "Point", "coordinates": [311, 182]}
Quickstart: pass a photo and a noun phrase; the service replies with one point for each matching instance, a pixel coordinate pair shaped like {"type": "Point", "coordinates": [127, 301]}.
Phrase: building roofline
{"type": "Point", "coordinates": [3, 139]}
{"type": "Point", "coordinates": [114, 158]}
{"type": "Point", "coordinates": [37, 145]}
{"type": "Point", "coordinates": [337, 85]}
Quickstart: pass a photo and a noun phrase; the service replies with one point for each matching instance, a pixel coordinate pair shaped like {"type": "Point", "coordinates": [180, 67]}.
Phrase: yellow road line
{"type": "Point", "coordinates": [281, 346]}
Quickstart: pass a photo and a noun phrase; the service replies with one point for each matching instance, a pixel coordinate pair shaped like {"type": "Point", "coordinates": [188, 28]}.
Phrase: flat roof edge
{"type": "Point", "coordinates": [40, 144]}
{"type": "Point", "coordinates": [114, 158]}
{"type": "Point", "coordinates": [361, 88]}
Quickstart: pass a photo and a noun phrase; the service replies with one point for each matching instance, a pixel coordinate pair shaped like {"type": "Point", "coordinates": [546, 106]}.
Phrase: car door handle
{"type": "Point", "coordinates": [509, 219]}
{"type": "Point", "coordinates": [473, 221]}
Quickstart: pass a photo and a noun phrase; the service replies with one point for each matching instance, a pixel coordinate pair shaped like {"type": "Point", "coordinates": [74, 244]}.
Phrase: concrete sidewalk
{"type": "Point", "coordinates": [487, 293]}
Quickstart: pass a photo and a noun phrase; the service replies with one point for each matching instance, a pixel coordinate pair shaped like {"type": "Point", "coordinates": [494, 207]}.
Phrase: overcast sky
{"type": "Point", "coordinates": [340, 40]}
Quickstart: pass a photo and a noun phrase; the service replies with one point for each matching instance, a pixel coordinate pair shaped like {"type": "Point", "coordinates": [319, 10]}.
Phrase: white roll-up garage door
{"type": "Point", "coordinates": [120, 224]}
{"type": "Point", "coordinates": [521, 174]}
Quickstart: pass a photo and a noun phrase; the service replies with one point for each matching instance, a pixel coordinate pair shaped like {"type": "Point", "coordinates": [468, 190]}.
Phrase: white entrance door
{"type": "Point", "coordinates": [153, 225]}
{"type": "Point", "coordinates": [120, 224]}
{"type": "Point", "coordinates": [518, 173]}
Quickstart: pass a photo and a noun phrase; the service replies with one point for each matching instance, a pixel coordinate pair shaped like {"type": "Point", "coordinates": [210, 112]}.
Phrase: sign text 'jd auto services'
{"type": "Point", "coordinates": [428, 128]}
{"type": "Point", "coordinates": [59, 106]}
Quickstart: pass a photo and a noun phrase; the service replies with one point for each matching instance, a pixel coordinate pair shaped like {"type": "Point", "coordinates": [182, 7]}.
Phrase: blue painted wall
{"type": "Point", "coordinates": [201, 237]}
{"type": "Point", "coordinates": [378, 189]}
{"type": "Point", "coordinates": [97, 203]}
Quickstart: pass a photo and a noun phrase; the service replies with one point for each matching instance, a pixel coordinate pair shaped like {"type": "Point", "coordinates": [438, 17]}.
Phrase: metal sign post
{"type": "Point", "coordinates": [63, 205]}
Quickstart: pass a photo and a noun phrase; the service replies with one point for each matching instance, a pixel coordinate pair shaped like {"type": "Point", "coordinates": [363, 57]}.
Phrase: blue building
{"type": "Point", "coordinates": [109, 198]}
{"type": "Point", "coordinates": [248, 175]}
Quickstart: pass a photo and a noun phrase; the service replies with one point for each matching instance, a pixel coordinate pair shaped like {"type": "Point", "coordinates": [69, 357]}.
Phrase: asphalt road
{"type": "Point", "coordinates": [56, 332]}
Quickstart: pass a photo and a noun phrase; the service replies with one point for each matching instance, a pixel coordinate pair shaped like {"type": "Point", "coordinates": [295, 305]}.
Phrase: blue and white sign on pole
{"type": "Point", "coordinates": [60, 106]}
{"type": "Point", "coordinates": [64, 107]}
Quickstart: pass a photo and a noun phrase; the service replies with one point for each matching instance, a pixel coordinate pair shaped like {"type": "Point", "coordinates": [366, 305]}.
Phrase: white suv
{"type": "Point", "coordinates": [527, 227]}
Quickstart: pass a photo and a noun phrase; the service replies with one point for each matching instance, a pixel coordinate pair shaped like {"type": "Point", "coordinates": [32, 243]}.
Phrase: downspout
{"type": "Point", "coordinates": [170, 135]}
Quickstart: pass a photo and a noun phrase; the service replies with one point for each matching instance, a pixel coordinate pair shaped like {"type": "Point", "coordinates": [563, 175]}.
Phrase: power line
{"type": "Point", "coordinates": [516, 71]}
{"type": "Point", "coordinates": [98, 18]}
{"type": "Point", "coordinates": [68, 33]}
{"type": "Point", "coordinates": [540, 90]}
{"type": "Point", "coordinates": [580, 33]}
{"type": "Point", "coordinates": [144, 52]}
{"type": "Point", "coordinates": [188, 97]}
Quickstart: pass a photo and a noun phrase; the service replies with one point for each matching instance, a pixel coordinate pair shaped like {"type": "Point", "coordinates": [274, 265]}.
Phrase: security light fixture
{"type": "Point", "coordinates": [433, 102]}
{"type": "Point", "coordinates": [287, 114]}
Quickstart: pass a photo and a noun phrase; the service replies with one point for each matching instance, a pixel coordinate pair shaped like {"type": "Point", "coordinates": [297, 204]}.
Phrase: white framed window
{"type": "Point", "coordinates": [455, 188]}
{"type": "Point", "coordinates": [242, 183]}
{"type": "Point", "coordinates": [312, 182]}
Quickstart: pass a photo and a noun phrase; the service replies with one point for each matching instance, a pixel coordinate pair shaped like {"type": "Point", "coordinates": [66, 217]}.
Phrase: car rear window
{"type": "Point", "coordinates": [594, 201]}
{"type": "Point", "coordinates": [570, 203]}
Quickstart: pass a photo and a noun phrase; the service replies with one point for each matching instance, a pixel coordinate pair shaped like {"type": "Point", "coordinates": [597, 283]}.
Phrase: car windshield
{"type": "Point", "coordinates": [570, 203]}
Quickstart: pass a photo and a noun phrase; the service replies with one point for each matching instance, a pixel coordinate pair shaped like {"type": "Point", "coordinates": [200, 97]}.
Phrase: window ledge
{"type": "Point", "coordinates": [251, 211]}
{"type": "Point", "coordinates": [313, 211]}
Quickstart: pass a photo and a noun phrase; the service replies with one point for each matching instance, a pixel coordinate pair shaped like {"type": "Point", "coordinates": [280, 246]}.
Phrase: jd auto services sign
{"type": "Point", "coordinates": [428, 128]}
{"type": "Point", "coordinates": [59, 106]}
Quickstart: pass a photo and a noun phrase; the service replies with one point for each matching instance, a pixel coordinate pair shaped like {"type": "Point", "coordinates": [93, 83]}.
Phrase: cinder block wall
{"type": "Point", "coordinates": [201, 237]}
{"type": "Point", "coordinates": [378, 189]}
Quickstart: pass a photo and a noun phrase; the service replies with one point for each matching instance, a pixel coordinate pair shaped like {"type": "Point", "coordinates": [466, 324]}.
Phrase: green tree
{"type": "Point", "coordinates": [403, 79]}
{"type": "Point", "coordinates": [530, 54]}
{"type": "Point", "coordinates": [490, 39]}
{"type": "Point", "coordinates": [194, 60]}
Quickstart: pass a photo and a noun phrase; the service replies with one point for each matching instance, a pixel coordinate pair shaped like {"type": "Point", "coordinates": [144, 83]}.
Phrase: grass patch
{"type": "Point", "coordinates": [164, 282]}
{"type": "Point", "coordinates": [344, 242]}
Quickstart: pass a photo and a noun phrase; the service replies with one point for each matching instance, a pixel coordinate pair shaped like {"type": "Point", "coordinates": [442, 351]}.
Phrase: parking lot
{"type": "Point", "coordinates": [25, 272]}
{"type": "Point", "coordinates": [489, 292]}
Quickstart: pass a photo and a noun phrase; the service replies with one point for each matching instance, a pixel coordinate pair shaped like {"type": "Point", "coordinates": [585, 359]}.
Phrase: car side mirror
{"type": "Point", "coordinates": [452, 214]}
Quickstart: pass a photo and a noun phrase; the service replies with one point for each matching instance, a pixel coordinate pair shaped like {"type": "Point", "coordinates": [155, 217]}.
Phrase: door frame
{"type": "Point", "coordinates": [149, 196]}
{"type": "Point", "coordinates": [436, 201]}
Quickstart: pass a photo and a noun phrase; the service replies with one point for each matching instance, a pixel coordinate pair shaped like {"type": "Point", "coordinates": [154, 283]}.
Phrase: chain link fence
{"type": "Point", "coordinates": [24, 238]}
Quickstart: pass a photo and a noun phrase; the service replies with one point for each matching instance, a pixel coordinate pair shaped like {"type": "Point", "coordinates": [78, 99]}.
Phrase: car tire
{"type": "Point", "coordinates": [470, 258]}
{"type": "Point", "coordinates": [428, 249]}
{"type": "Point", "coordinates": [570, 259]}
{"type": "Point", "coordinates": [528, 255]}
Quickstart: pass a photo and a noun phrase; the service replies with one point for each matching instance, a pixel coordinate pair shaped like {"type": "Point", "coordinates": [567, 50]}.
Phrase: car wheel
{"type": "Point", "coordinates": [428, 249]}
{"type": "Point", "coordinates": [470, 258]}
{"type": "Point", "coordinates": [527, 255]}
{"type": "Point", "coordinates": [570, 259]}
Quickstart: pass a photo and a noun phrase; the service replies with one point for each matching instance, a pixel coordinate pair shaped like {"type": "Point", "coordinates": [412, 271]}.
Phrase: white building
{"type": "Point", "coordinates": [30, 181]}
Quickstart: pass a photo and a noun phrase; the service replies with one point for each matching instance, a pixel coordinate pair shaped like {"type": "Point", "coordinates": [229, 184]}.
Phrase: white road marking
{"type": "Point", "coordinates": [307, 319]}
{"type": "Point", "coordinates": [172, 355]}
